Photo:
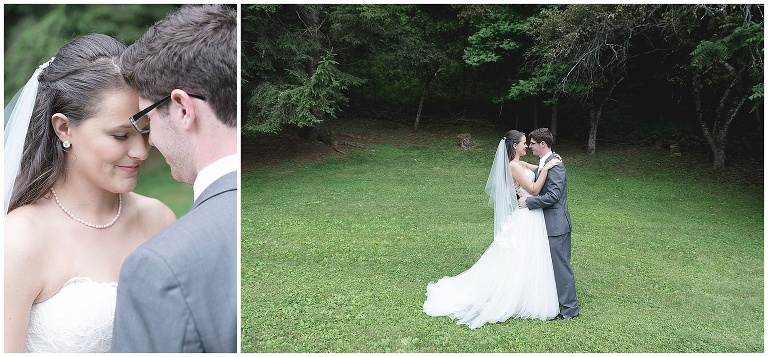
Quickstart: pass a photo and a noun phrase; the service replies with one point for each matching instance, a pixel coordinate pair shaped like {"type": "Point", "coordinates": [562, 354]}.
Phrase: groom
{"type": "Point", "coordinates": [178, 291]}
{"type": "Point", "coordinates": [553, 200]}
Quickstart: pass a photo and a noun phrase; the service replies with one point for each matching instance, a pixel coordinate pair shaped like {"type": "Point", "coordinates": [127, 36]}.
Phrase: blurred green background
{"type": "Point", "coordinates": [155, 181]}
{"type": "Point", "coordinates": [33, 34]}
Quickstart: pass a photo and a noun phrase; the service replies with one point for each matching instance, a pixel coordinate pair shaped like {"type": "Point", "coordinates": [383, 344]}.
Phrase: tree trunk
{"type": "Point", "coordinates": [718, 159]}
{"type": "Point", "coordinates": [424, 93]}
{"type": "Point", "coordinates": [517, 116]}
{"type": "Point", "coordinates": [535, 111]}
{"type": "Point", "coordinates": [595, 113]}
{"type": "Point", "coordinates": [728, 106]}
{"type": "Point", "coordinates": [320, 130]}
{"type": "Point", "coordinates": [421, 105]}
{"type": "Point", "coordinates": [594, 118]}
{"type": "Point", "coordinates": [553, 125]}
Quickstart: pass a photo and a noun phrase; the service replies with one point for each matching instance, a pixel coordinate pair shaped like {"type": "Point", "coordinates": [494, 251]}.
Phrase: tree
{"type": "Point", "coordinates": [290, 72]}
{"type": "Point", "coordinates": [726, 65]}
{"type": "Point", "coordinates": [372, 37]}
{"type": "Point", "coordinates": [33, 33]}
{"type": "Point", "coordinates": [427, 47]}
{"type": "Point", "coordinates": [593, 42]}
{"type": "Point", "coordinates": [502, 34]}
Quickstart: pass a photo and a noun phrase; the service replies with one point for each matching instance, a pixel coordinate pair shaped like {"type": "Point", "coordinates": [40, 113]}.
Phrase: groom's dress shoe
{"type": "Point", "coordinates": [561, 317]}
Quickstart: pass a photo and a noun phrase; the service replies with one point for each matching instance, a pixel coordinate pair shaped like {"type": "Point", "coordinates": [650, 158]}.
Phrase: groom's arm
{"type": "Point", "coordinates": [151, 314]}
{"type": "Point", "coordinates": [555, 187]}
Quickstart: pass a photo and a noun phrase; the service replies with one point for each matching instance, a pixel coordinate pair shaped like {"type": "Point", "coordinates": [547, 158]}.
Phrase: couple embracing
{"type": "Point", "coordinates": [91, 266]}
{"type": "Point", "coordinates": [526, 272]}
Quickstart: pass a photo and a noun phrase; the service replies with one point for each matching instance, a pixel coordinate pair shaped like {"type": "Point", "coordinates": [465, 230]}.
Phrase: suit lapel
{"type": "Point", "coordinates": [225, 183]}
{"type": "Point", "coordinates": [544, 188]}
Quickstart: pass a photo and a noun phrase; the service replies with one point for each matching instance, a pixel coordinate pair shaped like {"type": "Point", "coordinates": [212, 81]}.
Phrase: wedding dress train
{"type": "Point", "coordinates": [512, 279]}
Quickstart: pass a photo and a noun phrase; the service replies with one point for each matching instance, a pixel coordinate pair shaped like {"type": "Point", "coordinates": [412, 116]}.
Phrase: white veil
{"type": "Point", "coordinates": [17, 116]}
{"type": "Point", "coordinates": [500, 188]}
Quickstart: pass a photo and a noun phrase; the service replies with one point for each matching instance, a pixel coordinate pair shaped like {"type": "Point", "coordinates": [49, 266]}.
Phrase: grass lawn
{"type": "Point", "coordinates": [337, 253]}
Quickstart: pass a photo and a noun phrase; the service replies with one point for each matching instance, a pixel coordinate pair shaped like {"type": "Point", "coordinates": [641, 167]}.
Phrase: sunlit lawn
{"type": "Point", "coordinates": [336, 255]}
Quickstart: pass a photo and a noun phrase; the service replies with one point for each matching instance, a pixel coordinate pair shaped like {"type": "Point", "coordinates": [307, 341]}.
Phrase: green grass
{"type": "Point", "coordinates": [155, 181]}
{"type": "Point", "coordinates": [337, 254]}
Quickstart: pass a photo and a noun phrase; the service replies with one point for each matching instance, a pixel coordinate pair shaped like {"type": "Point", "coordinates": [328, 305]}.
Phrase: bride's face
{"type": "Point", "coordinates": [521, 146]}
{"type": "Point", "coordinates": [106, 150]}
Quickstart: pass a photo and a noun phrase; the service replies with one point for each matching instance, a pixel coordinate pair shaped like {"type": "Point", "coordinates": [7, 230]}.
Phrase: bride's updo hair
{"type": "Point", "coordinates": [74, 84]}
{"type": "Point", "coordinates": [511, 138]}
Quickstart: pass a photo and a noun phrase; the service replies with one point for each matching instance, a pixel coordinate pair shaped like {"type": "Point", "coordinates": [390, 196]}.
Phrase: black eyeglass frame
{"type": "Point", "coordinates": [135, 118]}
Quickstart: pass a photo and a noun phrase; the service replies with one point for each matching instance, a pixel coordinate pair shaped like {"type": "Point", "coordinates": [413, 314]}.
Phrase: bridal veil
{"type": "Point", "coordinates": [18, 113]}
{"type": "Point", "coordinates": [500, 189]}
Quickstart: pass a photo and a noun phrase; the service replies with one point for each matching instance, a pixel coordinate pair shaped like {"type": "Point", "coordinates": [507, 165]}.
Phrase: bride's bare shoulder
{"type": "Point", "coordinates": [153, 209]}
{"type": "Point", "coordinates": [514, 165]}
{"type": "Point", "coordinates": [27, 218]}
{"type": "Point", "coordinates": [25, 232]}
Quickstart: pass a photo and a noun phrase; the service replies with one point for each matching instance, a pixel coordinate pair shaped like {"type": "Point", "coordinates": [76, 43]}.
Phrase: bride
{"type": "Point", "coordinates": [72, 159]}
{"type": "Point", "coordinates": [514, 278]}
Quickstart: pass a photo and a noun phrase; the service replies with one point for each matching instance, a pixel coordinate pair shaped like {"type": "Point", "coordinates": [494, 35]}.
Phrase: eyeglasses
{"type": "Point", "coordinates": [140, 120]}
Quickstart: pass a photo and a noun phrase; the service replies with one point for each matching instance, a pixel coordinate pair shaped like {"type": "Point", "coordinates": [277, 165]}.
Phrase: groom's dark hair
{"type": "Point", "coordinates": [543, 135]}
{"type": "Point", "coordinates": [193, 49]}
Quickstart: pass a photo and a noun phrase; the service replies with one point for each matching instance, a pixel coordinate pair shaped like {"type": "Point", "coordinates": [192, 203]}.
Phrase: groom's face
{"type": "Point", "coordinates": [535, 147]}
{"type": "Point", "coordinates": [164, 135]}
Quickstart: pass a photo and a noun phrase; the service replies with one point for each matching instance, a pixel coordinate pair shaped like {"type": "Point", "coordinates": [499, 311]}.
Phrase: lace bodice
{"type": "Point", "coordinates": [78, 318]}
{"type": "Point", "coordinates": [520, 190]}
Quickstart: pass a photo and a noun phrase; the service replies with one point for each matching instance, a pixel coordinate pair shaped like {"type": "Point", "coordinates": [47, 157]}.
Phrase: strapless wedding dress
{"type": "Point", "coordinates": [78, 318]}
{"type": "Point", "coordinates": [514, 278]}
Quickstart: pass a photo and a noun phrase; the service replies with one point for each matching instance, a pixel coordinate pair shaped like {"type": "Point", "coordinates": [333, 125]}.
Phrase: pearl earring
{"type": "Point", "coordinates": [65, 144]}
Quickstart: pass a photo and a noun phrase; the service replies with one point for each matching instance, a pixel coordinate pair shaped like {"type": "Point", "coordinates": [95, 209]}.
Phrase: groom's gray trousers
{"type": "Point", "coordinates": [553, 199]}
{"type": "Point", "coordinates": [560, 248]}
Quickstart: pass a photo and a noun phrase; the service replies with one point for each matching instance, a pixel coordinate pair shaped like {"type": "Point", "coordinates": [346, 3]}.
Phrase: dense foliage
{"type": "Point", "coordinates": [645, 73]}
{"type": "Point", "coordinates": [33, 33]}
{"type": "Point", "coordinates": [290, 73]}
{"type": "Point", "coordinates": [686, 74]}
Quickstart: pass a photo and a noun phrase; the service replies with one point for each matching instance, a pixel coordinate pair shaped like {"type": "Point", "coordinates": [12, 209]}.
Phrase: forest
{"type": "Point", "coordinates": [647, 74]}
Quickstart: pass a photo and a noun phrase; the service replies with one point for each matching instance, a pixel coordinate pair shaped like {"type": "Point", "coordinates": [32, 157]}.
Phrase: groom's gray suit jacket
{"type": "Point", "coordinates": [178, 291]}
{"type": "Point", "coordinates": [553, 199]}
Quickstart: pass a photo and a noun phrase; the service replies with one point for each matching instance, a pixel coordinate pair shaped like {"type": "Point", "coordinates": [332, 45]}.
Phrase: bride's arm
{"type": "Point", "coordinates": [533, 167]}
{"type": "Point", "coordinates": [518, 173]}
{"type": "Point", "coordinates": [22, 261]}
{"type": "Point", "coordinates": [543, 176]}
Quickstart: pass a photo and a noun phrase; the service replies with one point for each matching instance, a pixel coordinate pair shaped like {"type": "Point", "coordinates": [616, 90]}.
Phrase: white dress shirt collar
{"type": "Point", "coordinates": [544, 159]}
{"type": "Point", "coordinates": [213, 172]}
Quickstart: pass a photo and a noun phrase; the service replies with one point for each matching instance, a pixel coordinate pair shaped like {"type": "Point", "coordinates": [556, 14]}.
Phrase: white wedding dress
{"type": "Point", "coordinates": [78, 318]}
{"type": "Point", "coordinates": [514, 278]}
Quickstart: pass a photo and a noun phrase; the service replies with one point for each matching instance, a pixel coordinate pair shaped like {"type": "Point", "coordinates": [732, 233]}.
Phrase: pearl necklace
{"type": "Point", "coordinates": [97, 226]}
